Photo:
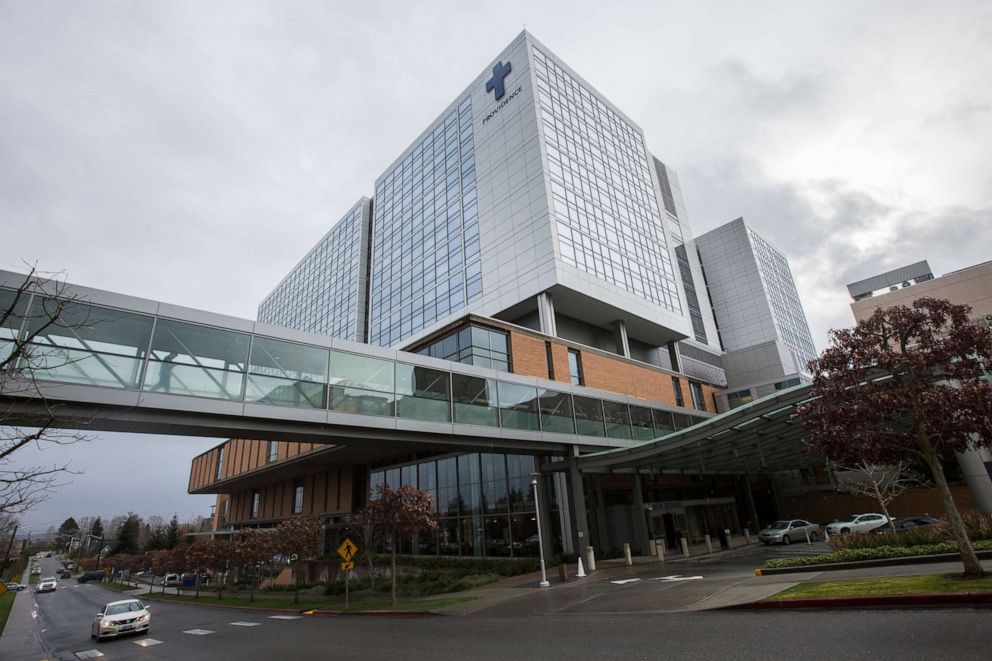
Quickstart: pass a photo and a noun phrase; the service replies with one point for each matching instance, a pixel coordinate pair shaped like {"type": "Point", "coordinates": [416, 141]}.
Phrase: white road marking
{"type": "Point", "coordinates": [245, 624]}
{"type": "Point", "coordinates": [626, 580]}
{"type": "Point", "coordinates": [146, 642]}
{"type": "Point", "coordinates": [285, 617]}
{"type": "Point", "coordinates": [89, 654]}
{"type": "Point", "coordinates": [675, 577]}
{"type": "Point", "coordinates": [198, 632]}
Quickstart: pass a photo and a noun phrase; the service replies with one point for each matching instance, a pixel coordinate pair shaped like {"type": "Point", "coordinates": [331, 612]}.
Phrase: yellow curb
{"type": "Point", "coordinates": [757, 572]}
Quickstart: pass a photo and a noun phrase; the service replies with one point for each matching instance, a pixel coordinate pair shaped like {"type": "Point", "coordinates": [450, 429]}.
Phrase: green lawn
{"type": "Point", "coordinates": [6, 603]}
{"type": "Point", "coordinates": [895, 585]}
{"type": "Point", "coordinates": [358, 603]}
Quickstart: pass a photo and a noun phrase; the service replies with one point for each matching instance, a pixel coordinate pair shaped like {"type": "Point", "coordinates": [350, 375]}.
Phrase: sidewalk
{"type": "Point", "coordinates": [19, 641]}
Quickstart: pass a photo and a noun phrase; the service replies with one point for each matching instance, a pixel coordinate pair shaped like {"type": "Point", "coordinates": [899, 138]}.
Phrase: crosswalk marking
{"type": "Point", "coordinates": [245, 624]}
{"type": "Point", "coordinates": [89, 654]}
{"type": "Point", "coordinates": [146, 642]}
{"type": "Point", "coordinates": [198, 632]}
{"type": "Point", "coordinates": [285, 617]}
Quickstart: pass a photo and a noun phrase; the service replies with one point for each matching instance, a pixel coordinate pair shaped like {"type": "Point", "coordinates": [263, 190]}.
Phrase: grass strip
{"type": "Point", "coordinates": [6, 603]}
{"type": "Point", "coordinates": [889, 586]}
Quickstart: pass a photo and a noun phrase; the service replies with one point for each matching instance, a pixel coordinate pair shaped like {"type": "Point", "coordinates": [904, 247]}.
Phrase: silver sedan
{"type": "Point", "coordinates": [790, 530]}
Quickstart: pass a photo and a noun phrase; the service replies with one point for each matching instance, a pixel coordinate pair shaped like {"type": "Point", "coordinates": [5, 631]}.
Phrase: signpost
{"type": "Point", "coordinates": [347, 551]}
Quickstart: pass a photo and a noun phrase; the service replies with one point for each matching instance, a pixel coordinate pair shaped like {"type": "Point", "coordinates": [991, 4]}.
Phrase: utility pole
{"type": "Point", "coordinates": [10, 546]}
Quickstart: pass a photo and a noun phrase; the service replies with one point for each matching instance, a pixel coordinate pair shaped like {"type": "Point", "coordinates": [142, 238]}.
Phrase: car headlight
{"type": "Point", "coordinates": [106, 623]}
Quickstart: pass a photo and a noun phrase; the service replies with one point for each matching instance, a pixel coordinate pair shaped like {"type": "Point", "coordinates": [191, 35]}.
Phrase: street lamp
{"type": "Point", "coordinates": [540, 539]}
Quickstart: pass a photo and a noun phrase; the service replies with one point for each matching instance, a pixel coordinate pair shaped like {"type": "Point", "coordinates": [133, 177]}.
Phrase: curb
{"type": "Point", "coordinates": [881, 562]}
{"type": "Point", "coordinates": [371, 613]}
{"type": "Point", "coordinates": [946, 599]}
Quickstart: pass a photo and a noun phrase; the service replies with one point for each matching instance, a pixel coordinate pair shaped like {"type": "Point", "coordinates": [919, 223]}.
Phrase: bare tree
{"type": "Point", "coordinates": [882, 483]}
{"type": "Point", "coordinates": [39, 307]}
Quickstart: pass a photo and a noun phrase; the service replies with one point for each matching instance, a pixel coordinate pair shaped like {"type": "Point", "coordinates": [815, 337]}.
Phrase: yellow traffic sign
{"type": "Point", "coordinates": [347, 565]}
{"type": "Point", "coordinates": [347, 550]}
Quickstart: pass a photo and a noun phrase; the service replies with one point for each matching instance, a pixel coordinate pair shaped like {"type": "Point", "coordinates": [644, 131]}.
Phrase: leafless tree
{"type": "Point", "coordinates": [882, 483]}
{"type": "Point", "coordinates": [28, 314]}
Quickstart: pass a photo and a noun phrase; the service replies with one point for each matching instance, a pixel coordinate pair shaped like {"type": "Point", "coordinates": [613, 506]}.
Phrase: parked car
{"type": "Point", "coordinates": [47, 584]}
{"type": "Point", "coordinates": [171, 580]}
{"type": "Point", "coordinates": [16, 587]}
{"type": "Point", "coordinates": [857, 523]}
{"type": "Point", "coordinates": [64, 573]}
{"type": "Point", "coordinates": [87, 576]}
{"type": "Point", "coordinates": [788, 531]}
{"type": "Point", "coordinates": [905, 523]}
{"type": "Point", "coordinates": [121, 617]}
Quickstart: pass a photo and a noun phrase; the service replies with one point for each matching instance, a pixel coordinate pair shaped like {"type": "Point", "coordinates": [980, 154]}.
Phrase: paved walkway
{"type": "Point", "coordinates": [19, 641]}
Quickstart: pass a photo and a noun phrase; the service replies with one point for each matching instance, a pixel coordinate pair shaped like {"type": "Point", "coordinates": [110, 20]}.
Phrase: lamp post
{"type": "Point", "coordinates": [540, 539]}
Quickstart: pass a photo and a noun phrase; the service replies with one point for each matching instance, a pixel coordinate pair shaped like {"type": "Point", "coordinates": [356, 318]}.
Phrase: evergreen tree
{"type": "Point", "coordinates": [172, 533]}
{"type": "Point", "coordinates": [97, 529]}
{"type": "Point", "coordinates": [156, 540]}
{"type": "Point", "coordinates": [127, 536]}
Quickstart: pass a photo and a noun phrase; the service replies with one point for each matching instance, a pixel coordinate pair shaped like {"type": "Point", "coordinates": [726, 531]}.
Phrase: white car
{"type": "Point", "coordinates": [121, 617]}
{"type": "Point", "coordinates": [788, 531]}
{"type": "Point", "coordinates": [857, 523]}
{"type": "Point", "coordinates": [47, 584]}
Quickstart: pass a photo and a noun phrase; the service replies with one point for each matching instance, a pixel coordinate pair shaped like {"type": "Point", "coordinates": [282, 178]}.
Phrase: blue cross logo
{"type": "Point", "coordinates": [495, 84]}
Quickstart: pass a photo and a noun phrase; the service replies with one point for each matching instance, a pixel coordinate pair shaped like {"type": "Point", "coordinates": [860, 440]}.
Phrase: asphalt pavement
{"type": "Point", "coordinates": [591, 619]}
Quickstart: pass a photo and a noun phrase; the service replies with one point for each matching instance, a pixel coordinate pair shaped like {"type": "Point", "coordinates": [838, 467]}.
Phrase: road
{"type": "Point", "coordinates": [64, 618]}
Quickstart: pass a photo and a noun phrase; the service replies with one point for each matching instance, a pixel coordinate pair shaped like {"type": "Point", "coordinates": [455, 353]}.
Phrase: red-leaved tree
{"type": "Point", "coordinates": [906, 382]}
{"type": "Point", "coordinates": [300, 537]}
{"type": "Point", "coordinates": [398, 513]}
{"type": "Point", "coordinates": [251, 549]}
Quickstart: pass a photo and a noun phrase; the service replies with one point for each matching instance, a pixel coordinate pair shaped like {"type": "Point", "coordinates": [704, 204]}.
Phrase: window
{"type": "Point", "coordinates": [677, 387]}
{"type": "Point", "coordinates": [473, 345]}
{"type": "Point", "coordinates": [739, 398]}
{"type": "Point", "coordinates": [698, 401]}
{"type": "Point", "coordinates": [789, 383]}
{"type": "Point", "coordinates": [256, 501]}
{"type": "Point", "coordinates": [575, 368]}
{"type": "Point", "coordinates": [220, 463]}
{"type": "Point", "coordinates": [298, 496]}
{"type": "Point", "coordinates": [551, 361]}
{"type": "Point", "coordinates": [273, 451]}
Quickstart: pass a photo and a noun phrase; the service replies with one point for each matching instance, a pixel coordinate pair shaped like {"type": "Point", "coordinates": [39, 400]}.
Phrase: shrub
{"type": "Point", "coordinates": [876, 553]}
{"type": "Point", "coordinates": [978, 525]}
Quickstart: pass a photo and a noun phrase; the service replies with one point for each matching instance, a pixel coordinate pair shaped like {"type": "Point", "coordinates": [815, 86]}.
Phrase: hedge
{"type": "Point", "coordinates": [877, 553]}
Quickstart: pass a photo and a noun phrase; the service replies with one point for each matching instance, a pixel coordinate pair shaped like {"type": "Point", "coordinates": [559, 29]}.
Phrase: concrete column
{"type": "Point", "coordinates": [543, 494]}
{"type": "Point", "coordinates": [577, 499]}
{"type": "Point", "coordinates": [602, 540]}
{"type": "Point", "coordinates": [640, 520]}
{"type": "Point", "coordinates": [752, 509]}
{"type": "Point", "coordinates": [620, 335]}
{"type": "Point", "coordinates": [974, 469]}
{"type": "Point", "coordinates": [546, 313]}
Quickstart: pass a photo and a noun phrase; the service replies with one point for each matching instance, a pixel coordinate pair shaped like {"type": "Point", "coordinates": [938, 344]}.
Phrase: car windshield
{"type": "Point", "coordinates": [779, 525]}
{"type": "Point", "coordinates": [117, 609]}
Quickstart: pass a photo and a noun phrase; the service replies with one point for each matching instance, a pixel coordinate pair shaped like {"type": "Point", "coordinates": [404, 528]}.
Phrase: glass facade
{"type": "Point", "coordinates": [484, 503]}
{"type": "Point", "coordinates": [97, 346]}
{"type": "Point", "coordinates": [474, 345]}
{"type": "Point", "coordinates": [783, 299]}
{"type": "Point", "coordinates": [609, 222]}
{"type": "Point", "coordinates": [425, 239]}
{"type": "Point", "coordinates": [324, 293]}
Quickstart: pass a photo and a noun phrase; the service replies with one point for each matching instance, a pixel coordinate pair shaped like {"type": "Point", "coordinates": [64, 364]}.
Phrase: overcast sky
{"type": "Point", "coordinates": [193, 152]}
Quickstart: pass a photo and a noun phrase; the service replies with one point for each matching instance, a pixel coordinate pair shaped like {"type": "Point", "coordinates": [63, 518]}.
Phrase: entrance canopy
{"type": "Point", "coordinates": [756, 438]}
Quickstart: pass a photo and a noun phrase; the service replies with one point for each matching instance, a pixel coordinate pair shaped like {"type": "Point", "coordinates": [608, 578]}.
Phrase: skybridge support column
{"type": "Point", "coordinates": [577, 500]}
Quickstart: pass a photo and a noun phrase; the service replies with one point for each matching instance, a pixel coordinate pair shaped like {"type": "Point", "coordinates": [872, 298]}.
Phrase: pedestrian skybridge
{"type": "Point", "coordinates": [109, 362]}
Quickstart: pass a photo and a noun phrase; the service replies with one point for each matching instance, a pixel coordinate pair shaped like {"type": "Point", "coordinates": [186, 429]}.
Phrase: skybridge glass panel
{"type": "Point", "coordinates": [10, 325]}
{"type": "Point", "coordinates": [641, 423]}
{"type": "Point", "coordinates": [86, 344]}
{"type": "Point", "coordinates": [287, 374]}
{"type": "Point", "coordinates": [617, 419]}
{"type": "Point", "coordinates": [683, 420]}
{"type": "Point", "coordinates": [360, 384]}
{"type": "Point", "coordinates": [663, 424]}
{"type": "Point", "coordinates": [423, 393]}
{"type": "Point", "coordinates": [589, 420]}
{"type": "Point", "coordinates": [556, 412]}
{"type": "Point", "coordinates": [475, 400]}
{"type": "Point", "coordinates": [188, 359]}
{"type": "Point", "coordinates": [518, 406]}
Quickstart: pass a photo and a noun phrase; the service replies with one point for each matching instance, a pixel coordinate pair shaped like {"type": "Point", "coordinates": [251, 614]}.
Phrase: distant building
{"type": "Point", "coordinates": [762, 327]}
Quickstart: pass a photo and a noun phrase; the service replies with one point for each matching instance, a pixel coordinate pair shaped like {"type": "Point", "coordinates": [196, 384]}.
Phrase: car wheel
{"type": "Point", "coordinates": [845, 531]}
{"type": "Point", "coordinates": [786, 540]}
{"type": "Point", "coordinates": [812, 537]}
